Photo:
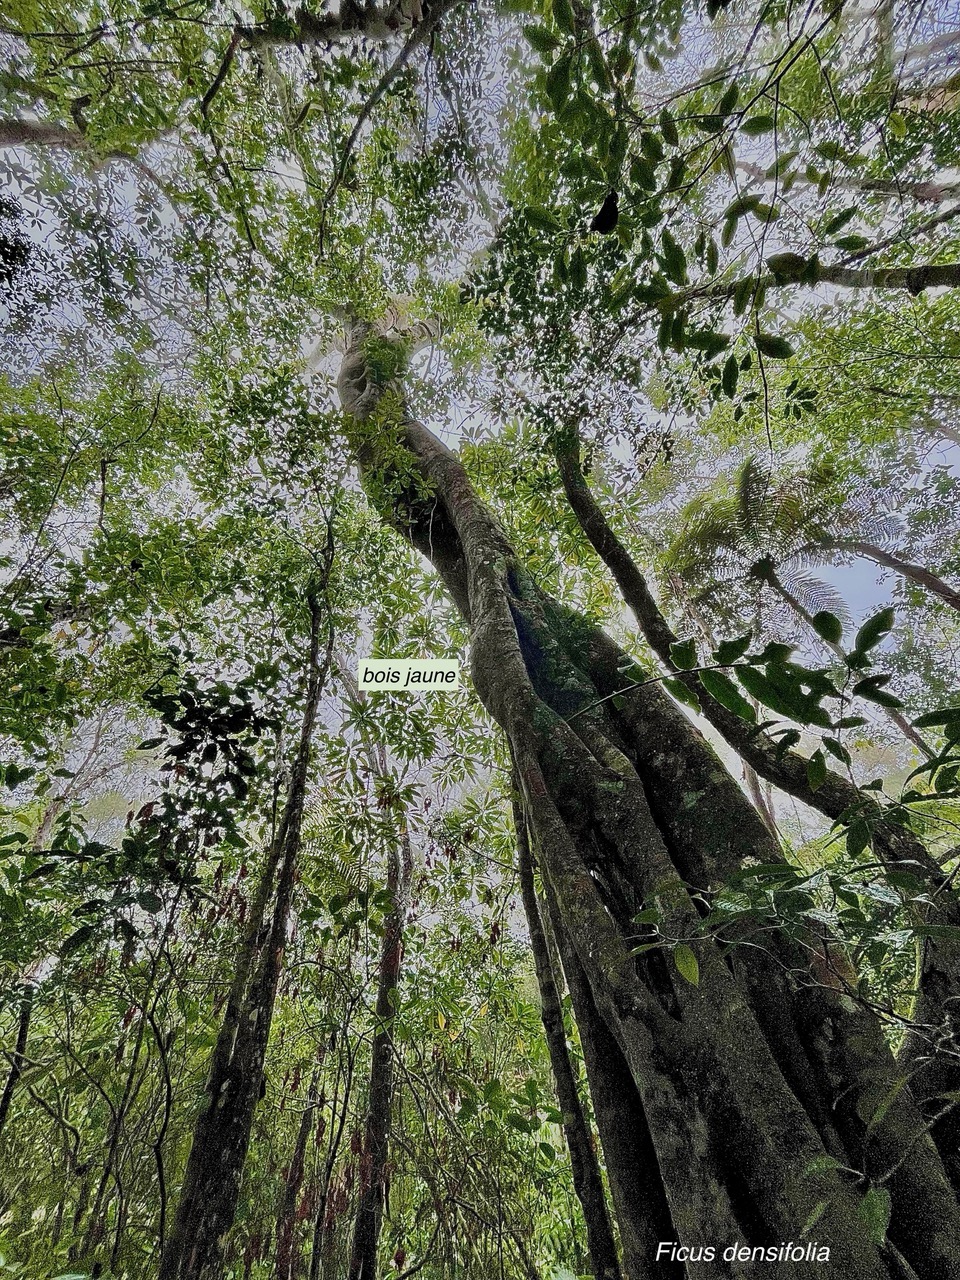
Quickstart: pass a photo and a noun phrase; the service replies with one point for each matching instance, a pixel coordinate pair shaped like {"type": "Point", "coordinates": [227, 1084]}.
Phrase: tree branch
{"type": "Point", "coordinates": [926, 192]}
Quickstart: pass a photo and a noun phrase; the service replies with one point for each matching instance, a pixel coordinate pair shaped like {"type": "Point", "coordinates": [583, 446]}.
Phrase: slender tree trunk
{"type": "Point", "coordinates": [211, 1187]}
{"type": "Point", "coordinates": [587, 1181]}
{"type": "Point", "coordinates": [18, 1057]}
{"type": "Point", "coordinates": [893, 715]}
{"type": "Point", "coordinates": [641, 1210]}
{"type": "Point", "coordinates": [376, 1142]}
{"type": "Point", "coordinates": [286, 1264]}
{"type": "Point", "coordinates": [753, 1068]}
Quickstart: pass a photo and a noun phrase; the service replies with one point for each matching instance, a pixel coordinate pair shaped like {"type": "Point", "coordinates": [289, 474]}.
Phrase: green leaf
{"type": "Point", "coordinates": [682, 693]}
{"type": "Point", "coordinates": [557, 82]}
{"type": "Point", "coordinates": [765, 212]}
{"type": "Point", "coordinates": [874, 629]}
{"type": "Point", "coordinates": [542, 219]}
{"type": "Point", "coordinates": [820, 1164]}
{"type": "Point", "coordinates": [686, 963]}
{"type": "Point", "coordinates": [651, 146]}
{"type": "Point", "coordinates": [668, 128]}
{"type": "Point", "coordinates": [708, 341]}
{"type": "Point", "coordinates": [728, 651]}
{"type": "Point", "coordinates": [150, 901]}
{"type": "Point", "coordinates": [649, 915]}
{"type": "Point", "coordinates": [674, 259]}
{"type": "Point", "coordinates": [683, 654]}
{"type": "Point", "coordinates": [837, 750]}
{"type": "Point", "coordinates": [729, 100]}
{"type": "Point", "coordinates": [563, 16]}
{"type": "Point", "coordinates": [815, 1215]}
{"type": "Point", "coordinates": [745, 289]}
{"type": "Point", "coordinates": [774, 347]}
{"type": "Point", "coordinates": [871, 690]}
{"type": "Point", "coordinates": [828, 626]}
{"type": "Point", "coordinates": [897, 124]}
{"type": "Point", "coordinates": [721, 687]}
{"type": "Point", "coordinates": [77, 939]}
{"type": "Point", "coordinates": [840, 221]}
{"type": "Point", "coordinates": [643, 174]}
{"type": "Point", "coordinates": [761, 687]}
{"type": "Point", "coordinates": [858, 838]}
{"type": "Point", "coordinates": [520, 1122]}
{"type": "Point", "coordinates": [874, 1210]}
{"type": "Point", "coordinates": [757, 125]}
{"type": "Point", "coordinates": [886, 1103]}
{"type": "Point", "coordinates": [543, 41]}
{"type": "Point", "coordinates": [931, 719]}
{"type": "Point", "coordinates": [817, 770]}
{"type": "Point", "coordinates": [578, 269]}
{"type": "Point", "coordinates": [730, 377]}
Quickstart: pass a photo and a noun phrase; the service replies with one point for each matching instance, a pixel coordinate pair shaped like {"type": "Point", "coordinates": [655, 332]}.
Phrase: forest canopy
{"type": "Point", "coordinates": [608, 354]}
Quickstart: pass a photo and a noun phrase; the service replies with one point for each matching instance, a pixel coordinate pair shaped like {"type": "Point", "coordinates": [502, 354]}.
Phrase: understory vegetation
{"type": "Point", "coordinates": [610, 349]}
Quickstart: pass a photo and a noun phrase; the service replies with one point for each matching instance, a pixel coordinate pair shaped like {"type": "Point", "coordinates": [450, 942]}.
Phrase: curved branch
{"type": "Point", "coordinates": [930, 192]}
{"type": "Point", "coordinates": [787, 769]}
{"type": "Point", "coordinates": [914, 572]}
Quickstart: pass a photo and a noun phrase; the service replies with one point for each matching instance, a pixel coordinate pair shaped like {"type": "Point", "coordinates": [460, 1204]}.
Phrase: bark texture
{"type": "Point", "coordinates": [375, 1154]}
{"type": "Point", "coordinates": [587, 1181]}
{"type": "Point", "coordinates": [749, 1075]}
{"type": "Point", "coordinates": [211, 1186]}
{"type": "Point", "coordinates": [930, 1056]}
{"type": "Point", "coordinates": [18, 1057]}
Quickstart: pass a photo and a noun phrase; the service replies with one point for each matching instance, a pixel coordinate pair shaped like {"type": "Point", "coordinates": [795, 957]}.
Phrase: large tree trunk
{"type": "Point", "coordinates": [929, 1058]}
{"type": "Point", "coordinates": [750, 1075]}
{"type": "Point", "coordinates": [587, 1180]}
{"type": "Point", "coordinates": [211, 1187]}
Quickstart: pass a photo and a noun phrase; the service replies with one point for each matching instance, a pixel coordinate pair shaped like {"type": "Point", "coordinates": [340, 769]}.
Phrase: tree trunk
{"type": "Point", "coordinates": [754, 1066]}
{"type": "Point", "coordinates": [376, 1142]}
{"type": "Point", "coordinates": [286, 1263]}
{"type": "Point", "coordinates": [641, 1211]}
{"type": "Point", "coordinates": [929, 1057]}
{"type": "Point", "coordinates": [587, 1181]}
{"type": "Point", "coordinates": [211, 1187]}
{"type": "Point", "coordinates": [18, 1057]}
